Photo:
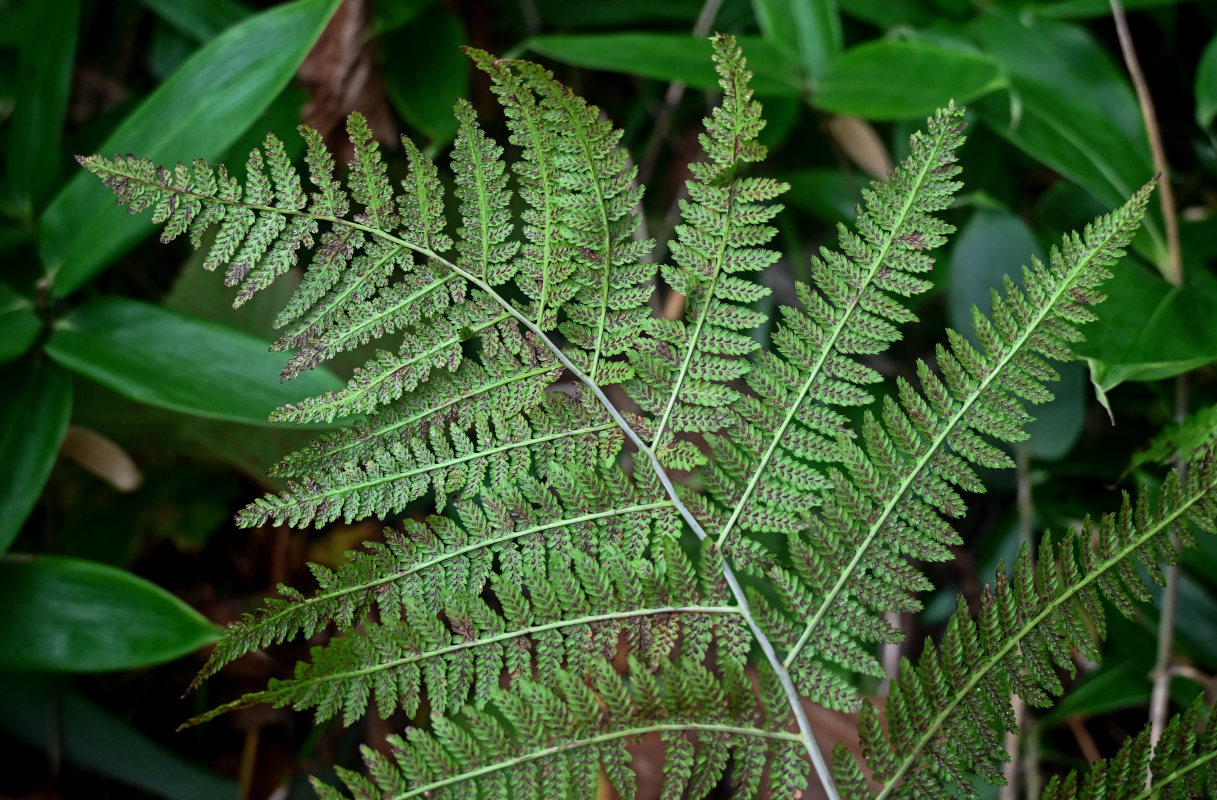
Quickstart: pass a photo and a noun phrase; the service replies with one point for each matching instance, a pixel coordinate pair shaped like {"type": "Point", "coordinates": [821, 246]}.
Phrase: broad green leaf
{"type": "Point", "coordinates": [1148, 329]}
{"type": "Point", "coordinates": [70, 615]}
{"type": "Point", "coordinates": [19, 325]}
{"type": "Point", "coordinates": [1083, 9]}
{"type": "Point", "coordinates": [809, 28]}
{"type": "Point", "coordinates": [173, 361]}
{"type": "Point", "coordinates": [48, 49]}
{"type": "Point", "coordinates": [672, 57]}
{"type": "Point", "coordinates": [34, 410]}
{"type": "Point", "coordinates": [887, 14]}
{"type": "Point", "coordinates": [564, 15]}
{"type": "Point", "coordinates": [57, 720]}
{"type": "Point", "coordinates": [200, 20]}
{"type": "Point", "coordinates": [201, 109]}
{"type": "Point", "coordinates": [1071, 108]}
{"type": "Point", "coordinates": [897, 80]}
{"type": "Point", "coordinates": [1111, 687]}
{"type": "Point", "coordinates": [389, 15]}
{"type": "Point", "coordinates": [1206, 85]}
{"type": "Point", "coordinates": [425, 70]}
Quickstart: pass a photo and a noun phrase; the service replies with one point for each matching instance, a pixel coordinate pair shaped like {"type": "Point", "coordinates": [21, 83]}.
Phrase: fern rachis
{"type": "Point", "coordinates": [546, 557]}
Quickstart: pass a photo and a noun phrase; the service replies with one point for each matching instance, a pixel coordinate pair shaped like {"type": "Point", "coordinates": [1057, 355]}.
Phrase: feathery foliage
{"type": "Point", "coordinates": [560, 545]}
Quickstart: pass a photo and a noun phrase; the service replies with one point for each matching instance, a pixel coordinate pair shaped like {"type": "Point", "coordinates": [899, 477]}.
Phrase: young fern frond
{"type": "Point", "coordinates": [563, 537]}
{"type": "Point", "coordinates": [946, 715]}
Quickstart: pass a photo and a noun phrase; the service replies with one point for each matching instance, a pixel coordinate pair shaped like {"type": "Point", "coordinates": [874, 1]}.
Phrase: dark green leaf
{"type": "Point", "coordinates": [34, 711]}
{"type": "Point", "coordinates": [811, 29]}
{"type": "Point", "coordinates": [897, 80]}
{"type": "Point", "coordinates": [172, 361]}
{"type": "Point", "coordinates": [200, 20]}
{"type": "Point", "coordinates": [1111, 687]}
{"type": "Point", "coordinates": [1082, 9]}
{"type": "Point", "coordinates": [69, 615]}
{"type": "Point", "coordinates": [19, 325]}
{"type": "Point", "coordinates": [1148, 329]}
{"type": "Point", "coordinates": [34, 410]}
{"type": "Point", "coordinates": [389, 15]}
{"type": "Point", "coordinates": [829, 194]}
{"type": "Point", "coordinates": [672, 57]}
{"type": "Point", "coordinates": [1070, 108]}
{"type": "Point", "coordinates": [201, 109]}
{"type": "Point", "coordinates": [425, 71]}
{"type": "Point", "coordinates": [44, 65]}
{"type": "Point", "coordinates": [1206, 85]}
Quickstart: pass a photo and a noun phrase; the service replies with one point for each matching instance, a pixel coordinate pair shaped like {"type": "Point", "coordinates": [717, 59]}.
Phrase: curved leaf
{"type": "Point", "coordinates": [34, 411]}
{"type": "Point", "coordinates": [177, 362]}
{"type": "Point", "coordinates": [19, 325]}
{"type": "Point", "coordinates": [70, 615]}
{"type": "Point", "coordinates": [896, 80]}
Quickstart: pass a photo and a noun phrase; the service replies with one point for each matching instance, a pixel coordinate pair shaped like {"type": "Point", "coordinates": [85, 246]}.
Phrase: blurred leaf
{"type": "Point", "coordinates": [1180, 440]}
{"type": "Point", "coordinates": [828, 194]}
{"type": "Point", "coordinates": [559, 14]}
{"type": "Point", "coordinates": [34, 411]}
{"type": "Point", "coordinates": [886, 14]}
{"type": "Point", "coordinates": [1070, 108]}
{"type": "Point", "coordinates": [68, 615]}
{"type": "Point", "coordinates": [61, 721]}
{"type": "Point", "coordinates": [1148, 329]}
{"type": "Point", "coordinates": [201, 109]}
{"type": "Point", "coordinates": [896, 80]}
{"type": "Point", "coordinates": [1082, 9]}
{"type": "Point", "coordinates": [1206, 85]}
{"type": "Point", "coordinates": [810, 29]}
{"type": "Point", "coordinates": [425, 71]}
{"type": "Point", "coordinates": [389, 15]}
{"type": "Point", "coordinates": [200, 20]}
{"type": "Point", "coordinates": [169, 360]}
{"type": "Point", "coordinates": [19, 325]}
{"type": "Point", "coordinates": [1111, 687]}
{"type": "Point", "coordinates": [35, 153]}
{"type": "Point", "coordinates": [101, 456]}
{"type": "Point", "coordinates": [859, 141]}
{"type": "Point", "coordinates": [672, 57]}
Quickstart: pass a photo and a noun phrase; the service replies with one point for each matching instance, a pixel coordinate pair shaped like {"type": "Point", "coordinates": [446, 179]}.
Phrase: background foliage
{"type": "Point", "coordinates": [135, 404]}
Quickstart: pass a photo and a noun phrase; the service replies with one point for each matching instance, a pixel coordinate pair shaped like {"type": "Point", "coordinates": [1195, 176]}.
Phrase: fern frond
{"type": "Point", "coordinates": [597, 195]}
{"type": "Point", "coordinates": [893, 499]}
{"type": "Point", "coordinates": [947, 713]}
{"type": "Point", "coordinates": [684, 371]}
{"type": "Point", "coordinates": [1183, 765]}
{"type": "Point", "coordinates": [544, 263]}
{"type": "Point", "coordinates": [555, 738]}
{"type": "Point", "coordinates": [422, 562]}
{"type": "Point", "coordinates": [536, 618]}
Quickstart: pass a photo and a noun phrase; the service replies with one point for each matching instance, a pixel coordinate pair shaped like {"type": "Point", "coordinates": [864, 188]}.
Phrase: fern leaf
{"type": "Point", "coordinates": [481, 186]}
{"type": "Point", "coordinates": [544, 263]}
{"type": "Point", "coordinates": [893, 499]}
{"type": "Point", "coordinates": [539, 618]}
{"type": "Point", "coordinates": [684, 371]}
{"type": "Point", "coordinates": [947, 713]}
{"type": "Point", "coordinates": [609, 286]}
{"type": "Point", "coordinates": [556, 737]}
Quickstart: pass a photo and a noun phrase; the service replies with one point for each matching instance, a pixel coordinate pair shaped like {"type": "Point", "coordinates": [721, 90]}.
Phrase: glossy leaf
{"type": "Point", "coordinates": [896, 80]}
{"type": "Point", "coordinates": [200, 20]}
{"type": "Point", "coordinates": [1206, 85]}
{"type": "Point", "coordinates": [671, 57]}
{"type": "Point", "coordinates": [424, 71]}
{"type": "Point", "coordinates": [201, 109]}
{"type": "Point", "coordinates": [56, 720]}
{"type": "Point", "coordinates": [69, 615]}
{"type": "Point", "coordinates": [1070, 107]}
{"type": "Point", "coordinates": [34, 411]}
{"type": "Point", "coordinates": [177, 362]}
{"type": "Point", "coordinates": [811, 29]}
{"type": "Point", "coordinates": [1149, 329]}
{"type": "Point", "coordinates": [19, 325]}
{"type": "Point", "coordinates": [48, 50]}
